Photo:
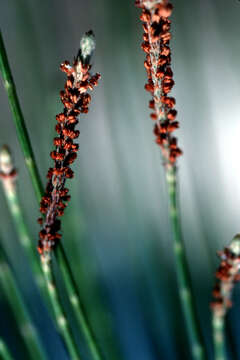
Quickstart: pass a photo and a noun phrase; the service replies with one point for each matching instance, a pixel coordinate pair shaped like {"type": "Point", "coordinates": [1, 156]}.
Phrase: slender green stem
{"type": "Point", "coordinates": [19, 120]}
{"type": "Point", "coordinates": [183, 276]}
{"type": "Point", "coordinates": [58, 309]}
{"type": "Point", "coordinates": [34, 175]}
{"type": "Point", "coordinates": [218, 336]}
{"type": "Point", "coordinates": [4, 352]}
{"type": "Point", "coordinates": [17, 305]}
{"type": "Point", "coordinates": [16, 212]}
{"type": "Point", "coordinates": [75, 301]}
{"type": "Point", "coordinates": [11, 194]}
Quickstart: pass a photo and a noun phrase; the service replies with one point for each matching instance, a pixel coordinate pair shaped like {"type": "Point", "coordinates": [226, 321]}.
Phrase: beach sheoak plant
{"type": "Point", "coordinates": [156, 44]}
{"type": "Point", "coordinates": [75, 100]}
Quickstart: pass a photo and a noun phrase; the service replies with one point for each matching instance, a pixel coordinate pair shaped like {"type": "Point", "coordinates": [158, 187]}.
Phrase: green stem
{"type": "Point", "coordinates": [78, 307]}
{"type": "Point", "coordinates": [183, 275]}
{"type": "Point", "coordinates": [17, 305]}
{"type": "Point", "coordinates": [218, 336]}
{"type": "Point", "coordinates": [58, 310]}
{"type": "Point", "coordinates": [21, 228]}
{"type": "Point", "coordinates": [19, 120]}
{"type": "Point", "coordinates": [4, 352]}
{"type": "Point", "coordinates": [34, 175]}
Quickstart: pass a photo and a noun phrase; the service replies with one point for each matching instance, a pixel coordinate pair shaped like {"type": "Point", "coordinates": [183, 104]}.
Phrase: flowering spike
{"type": "Point", "coordinates": [156, 24]}
{"type": "Point", "coordinates": [227, 275]}
{"type": "Point", "coordinates": [75, 100]}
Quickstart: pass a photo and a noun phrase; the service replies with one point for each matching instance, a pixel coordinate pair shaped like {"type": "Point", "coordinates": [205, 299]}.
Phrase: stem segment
{"type": "Point", "coordinates": [19, 120]}
{"type": "Point", "coordinates": [75, 301]}
{"type": "Point", "coordinates": [37, 184]}
{"type": "Point", "coordinates": [218, 337]}
{"type": "Point", "coordinates": [4, 352]}
{"type": "Point", "coordinates": [22, 317]}
{"type": "Point", "coordinates": [58, 310]}
{"type": "Point", "coordinates": [8, 178]}
{"type": "Point", "coordinates": [183, 275]}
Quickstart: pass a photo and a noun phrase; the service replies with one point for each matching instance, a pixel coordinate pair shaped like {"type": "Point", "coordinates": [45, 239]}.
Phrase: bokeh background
{"type": "Point", "coordinates": [116, 229]}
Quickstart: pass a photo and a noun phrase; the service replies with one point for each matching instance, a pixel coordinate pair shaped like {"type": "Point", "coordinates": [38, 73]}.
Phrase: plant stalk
{"type": "Point", "coordinates": [4, 352]}
{"type": "Point", "coordinates": [58, 310]}
{"type": "Point", "coordinates": [182, 269]}
{"type": "Point", "coordinates": [11, 194]}
{"type": "Point", "coordinates": [218, 336]}
{"type": "Point", "coordinates": [19, 120]}
{"type": "Point", "coordinates": [21, 315]}
{"type": "Point", "coordinates": [25, 144]}
{"type": "Point", "coordinates": [76, 303]}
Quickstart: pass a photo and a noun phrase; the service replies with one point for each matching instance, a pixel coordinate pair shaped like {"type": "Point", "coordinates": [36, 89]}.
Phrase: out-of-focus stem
{"type": "Point", "coordinates": [218, 336]}
{"type": "Point", "coordinates": [19, 120]}
{"type": "Point", "coordinates": [25, 144]}
{"type": "Point", "coordinates": [58, 310]}
{"type": "Point", "coordinates": [8, 178]}
{"type": "Point", "coordinates": [75, 301]}
{"type": "Point", "coordinates": [4, 352]}
{"type": "Point", "coordinates": [22, 317]}
{"type": "Point", "coordinates": [183, 276]}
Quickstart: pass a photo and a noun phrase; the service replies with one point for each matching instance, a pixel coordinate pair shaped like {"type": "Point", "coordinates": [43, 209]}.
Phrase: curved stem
{"type": "Point", "coordinates": [4, 352]}
{"type": "Point", "coordinates": [21, 314]}
{"type": "Point", "coordinates": [183, 275]}
{"type": "Point", "coordinates": [74, 299]}
{"type": "Point", "coordinates": [10, 191]}
{"type": "Point", "coordinates": [218, 336]}
{"type": "Point", "coordinates": [58, 310]}
{"type": "Point", "coordinates": [19, 121]}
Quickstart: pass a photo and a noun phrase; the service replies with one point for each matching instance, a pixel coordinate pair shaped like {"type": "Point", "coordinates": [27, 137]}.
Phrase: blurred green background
{"type": "Point", "coordinates": [116, 229]}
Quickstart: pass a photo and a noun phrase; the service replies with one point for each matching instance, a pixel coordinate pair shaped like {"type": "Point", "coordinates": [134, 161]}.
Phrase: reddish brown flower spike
{"type": "Point", "coordinates": [156, 25]}
{"type": "Point", "coordinates": [227, 275]}
{"type": "Point", "coordinates": [75, 101]}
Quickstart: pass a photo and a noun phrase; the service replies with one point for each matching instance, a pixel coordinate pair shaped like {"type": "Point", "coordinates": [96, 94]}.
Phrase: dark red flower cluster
{"type": "Point", "coordinates": [227, 275]}
{"type": "Point", "coordinates": [76, 101]}
{"type": "Point", "coordinates": [156, 26]}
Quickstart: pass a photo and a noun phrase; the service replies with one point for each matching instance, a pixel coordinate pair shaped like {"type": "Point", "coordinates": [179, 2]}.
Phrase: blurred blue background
{"type": "Point", "coordinates": [116, 229]}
